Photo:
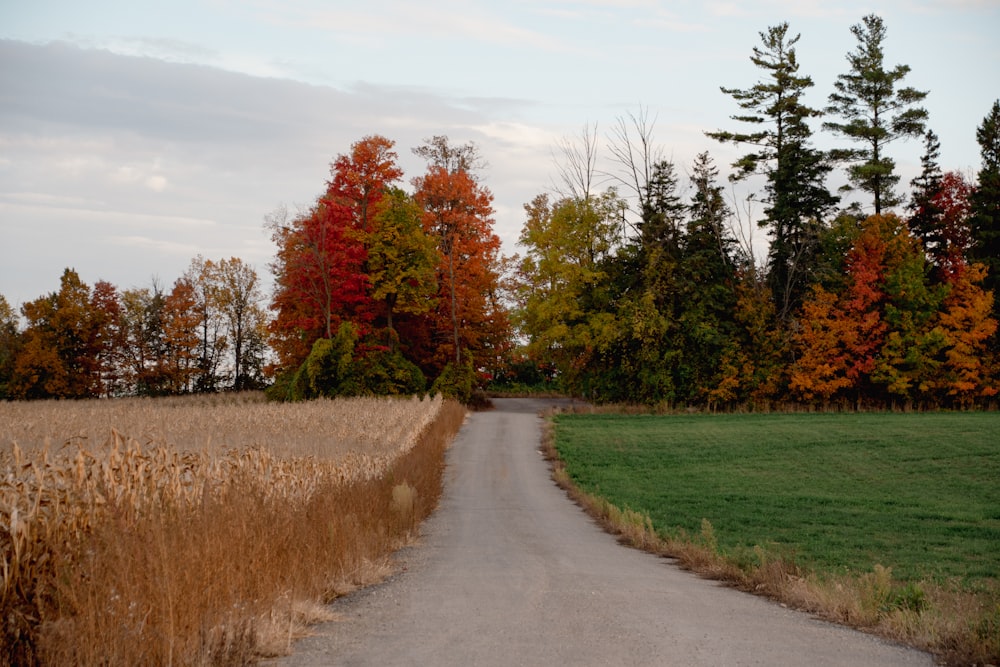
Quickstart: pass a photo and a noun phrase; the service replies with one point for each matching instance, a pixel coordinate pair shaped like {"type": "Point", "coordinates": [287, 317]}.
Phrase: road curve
{"type": "Point", "coordinates": [511, 572]}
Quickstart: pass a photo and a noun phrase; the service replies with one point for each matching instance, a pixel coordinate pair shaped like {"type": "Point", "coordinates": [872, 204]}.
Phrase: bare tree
{"type": "Point", "coordinates": [632, 149]}
{"type": "Point", "coordinates": [440, 153]}
{"type": "Point", "coordinates": [576, 163]}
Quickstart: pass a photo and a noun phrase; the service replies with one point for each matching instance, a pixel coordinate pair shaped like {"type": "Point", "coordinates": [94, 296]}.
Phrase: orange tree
{"type": "Point", "coordinates": [61, 345]}
{"type": "Point", "coordinates": [468, 323]}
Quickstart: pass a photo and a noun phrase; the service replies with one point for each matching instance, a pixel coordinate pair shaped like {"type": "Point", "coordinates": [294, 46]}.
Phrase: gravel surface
{"type": "Point", "coordinates": [511, 572]}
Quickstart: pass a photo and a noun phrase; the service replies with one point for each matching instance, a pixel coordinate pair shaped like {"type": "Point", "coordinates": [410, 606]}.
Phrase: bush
{"type": "Point", "coordinates": [456, 381]}
{"type": "Point", "coordinates": [389, 373]}
{"type": "Point", "coordinates": [335, 367]}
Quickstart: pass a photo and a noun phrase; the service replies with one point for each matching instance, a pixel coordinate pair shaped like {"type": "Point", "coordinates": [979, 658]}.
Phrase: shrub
{"type": "Point", "coordinates": [456, 381]}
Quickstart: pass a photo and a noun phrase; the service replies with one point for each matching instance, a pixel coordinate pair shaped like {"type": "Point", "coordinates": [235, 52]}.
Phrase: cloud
{"type": "Point", "coordinates": [156, 183]}
{"type": "Point", "coordinates": [162, 246]}
{"type": "Point", "coordinates": [94, 141]}
{"type": "Point", "coordinates": [385, 20]}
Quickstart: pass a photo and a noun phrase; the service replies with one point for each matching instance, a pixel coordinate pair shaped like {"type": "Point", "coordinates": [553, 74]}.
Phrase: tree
{"type": "Point", "coordinates": [319, 278]}
{"type": "Point", "coordinates": [966, 327]}
{"type": "Point", "coordinates": [438, 151]}
{"type": "Point", "coordinates": [707, 297]}
{"type": "Point", "coordinates": [924, 216]}
{"type": "Point", "coordinates": [564, 305]}
{"type": "Point", "coordinates": [181, 318]}
{"type": "Point", "coordinates": [795, 171]}
{"type": "Point", "coordinates": [952, 233]}
{"type": "Point", "coordinates": [661, 228]}
{"type": "Point", "coordinates": [105, 306]}
{"type": "Point", "coordinates": [632, 148]}
{"type": "Point", "coordinates": [882, 337]}
{"type": "Point", "coordinates": [753, 368]}
{"type": "Point", "coordinates": [10, 344]}
{"type": "Point", "coordinates": [875, 112]}
{"type": "Point", "coordinates": [985, 213]}
{"type": "Point", "coordinates": [59, 358]}
{"type": "Point", "coordinates": [401, 259]}
{"type": "Point", "coordinates": [143, 341]}
{"type": "Point", "coordinates": [577, 166]}
{"type": "Point", "coordinates": [458, 214]}
{"type": "Point", "coordinates": [237, 295]}
{"type": "Point", "coordinates": [360, 178]}
{"type": "Point", "coordinates": [820, 369]}
{"type": "Point", "coordinates": [201, 274]}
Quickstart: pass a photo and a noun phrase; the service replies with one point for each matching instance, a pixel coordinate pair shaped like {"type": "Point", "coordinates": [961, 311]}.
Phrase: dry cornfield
{"type": "Point", "coordinates": [183, 531]}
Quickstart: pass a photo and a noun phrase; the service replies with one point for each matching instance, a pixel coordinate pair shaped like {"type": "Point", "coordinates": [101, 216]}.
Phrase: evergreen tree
{"type": "Point", "coordinates": [661, 233]}
{"type": "Point", "coordinates": [985, 202]}
{"type": "Point", "coordinates": [707, 280]}
{"type": "Point", "coordinates": [10, 344]}
{"type": "Point", "coordinates": [795, 171]}
{"type": "Point", "coordinates": [708, 206]}
{"type": "Point", "coordinates": [875, 112]}
{"type": "Point", "coordinates": [925, 214]}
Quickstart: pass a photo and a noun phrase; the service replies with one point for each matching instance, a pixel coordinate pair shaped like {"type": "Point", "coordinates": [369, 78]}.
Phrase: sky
{"type": "Point", "coordinates": [136, 135]}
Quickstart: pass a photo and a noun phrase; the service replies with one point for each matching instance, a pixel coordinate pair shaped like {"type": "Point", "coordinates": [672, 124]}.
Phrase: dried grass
{"type": "Point", "coordinates": [166, 543]}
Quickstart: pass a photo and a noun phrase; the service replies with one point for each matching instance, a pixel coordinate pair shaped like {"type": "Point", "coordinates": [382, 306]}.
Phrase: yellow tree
{"type": "Point", "coordinates": [402, 259]}
{"type": "Point", "coordinates": [563, 273]}
{"type": "Point", "coordinates": [966, 325]}
{"type": "Point", "coordinates": [235, 292]}
{"type": "Point", "coordinates": [210, 327]}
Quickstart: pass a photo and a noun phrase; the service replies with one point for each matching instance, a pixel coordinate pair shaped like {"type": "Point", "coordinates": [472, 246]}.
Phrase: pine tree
{"type": "Point", "coordinates": [925, 216]}
{"type": "Point", "coordinates": [707, 281]}
{"type": "Point", "coordinates": [795, 171]}
{"type": "Point", "coordinates": [661, 234]}
{"type": "Point", "coordinates": [985, 200]}
{"type": "Point", "coordinates": [875, 112]}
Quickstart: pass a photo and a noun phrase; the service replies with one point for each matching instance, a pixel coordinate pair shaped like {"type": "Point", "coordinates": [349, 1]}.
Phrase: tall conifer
{"type": "Point", "coordinates": [875, 112]}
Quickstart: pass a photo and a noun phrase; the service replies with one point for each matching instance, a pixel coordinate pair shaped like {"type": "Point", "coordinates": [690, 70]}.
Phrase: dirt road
{"type": "Point", "coordinates": [510, 572]}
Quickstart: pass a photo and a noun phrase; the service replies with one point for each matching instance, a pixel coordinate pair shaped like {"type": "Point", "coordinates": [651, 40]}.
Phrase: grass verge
{"type": "Point", "coordinates": [887, 523]}
{"type": "Point", "coordinates": [221, 572]}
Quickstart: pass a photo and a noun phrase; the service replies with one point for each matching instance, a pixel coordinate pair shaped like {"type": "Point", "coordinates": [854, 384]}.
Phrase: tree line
{"type": "Point", "coordinates": [646, 291]}
{"type": "Point", "coordinates": [207, 333]}
{"type": "Point", "coordinates": [881, 309]}
{"type": "Point", "coordinates": [375, 291]}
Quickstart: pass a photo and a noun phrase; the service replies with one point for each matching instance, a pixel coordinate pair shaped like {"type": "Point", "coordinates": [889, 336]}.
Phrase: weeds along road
{"type": "Point", "coordinates": [510, 572]}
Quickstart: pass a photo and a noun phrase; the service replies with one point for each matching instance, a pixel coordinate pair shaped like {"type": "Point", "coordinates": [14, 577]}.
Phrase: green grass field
{"type": "Point", "coordinates": [919, 493]}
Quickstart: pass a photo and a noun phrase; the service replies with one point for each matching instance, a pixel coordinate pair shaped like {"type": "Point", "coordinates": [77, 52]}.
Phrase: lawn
{"type": "Point", "coordinates": [919, 493]}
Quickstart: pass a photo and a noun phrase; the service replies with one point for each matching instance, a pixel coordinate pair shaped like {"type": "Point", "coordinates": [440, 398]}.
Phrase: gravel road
{"type": "Point", "coordinates": [510, 572]}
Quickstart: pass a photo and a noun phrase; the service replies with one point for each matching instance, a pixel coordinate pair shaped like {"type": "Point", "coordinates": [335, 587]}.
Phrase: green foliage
{"type": "Point", "coordinates": [329, 370]}
{"type": "Point", "coordinates": [338, 367]}
{"type": "Point", "coordinates": [401, 257]}
{"type": "Point", "coordinates": [456, 381]}
{"type": "Point", "coordinates": [795, 190]}
{"type": "Point", "coordinates": [875, 112]}
{"type": "Point", "coordinates": [389, 373]}
{"type": "Point", "coordinates": [10, 343]}
{"type": "Point", "coordinates": [565, 291]}
{"type": "Point", "coordinates": [985, 201]}
{"type": "Point", "coordinates": [842, 492]}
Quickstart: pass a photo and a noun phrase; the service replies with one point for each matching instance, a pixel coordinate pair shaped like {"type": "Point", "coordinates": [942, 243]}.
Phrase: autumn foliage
{"type": "Point", "coordinates": [380, 289]}
{"type": "Point", "coordinates": [414, 276]}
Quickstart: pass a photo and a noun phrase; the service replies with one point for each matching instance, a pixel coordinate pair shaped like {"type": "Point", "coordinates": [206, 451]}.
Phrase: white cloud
{"type": "Point", "coordinates": [158, 245]}
{"type": "Point", "coordinates": [156, 183]}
